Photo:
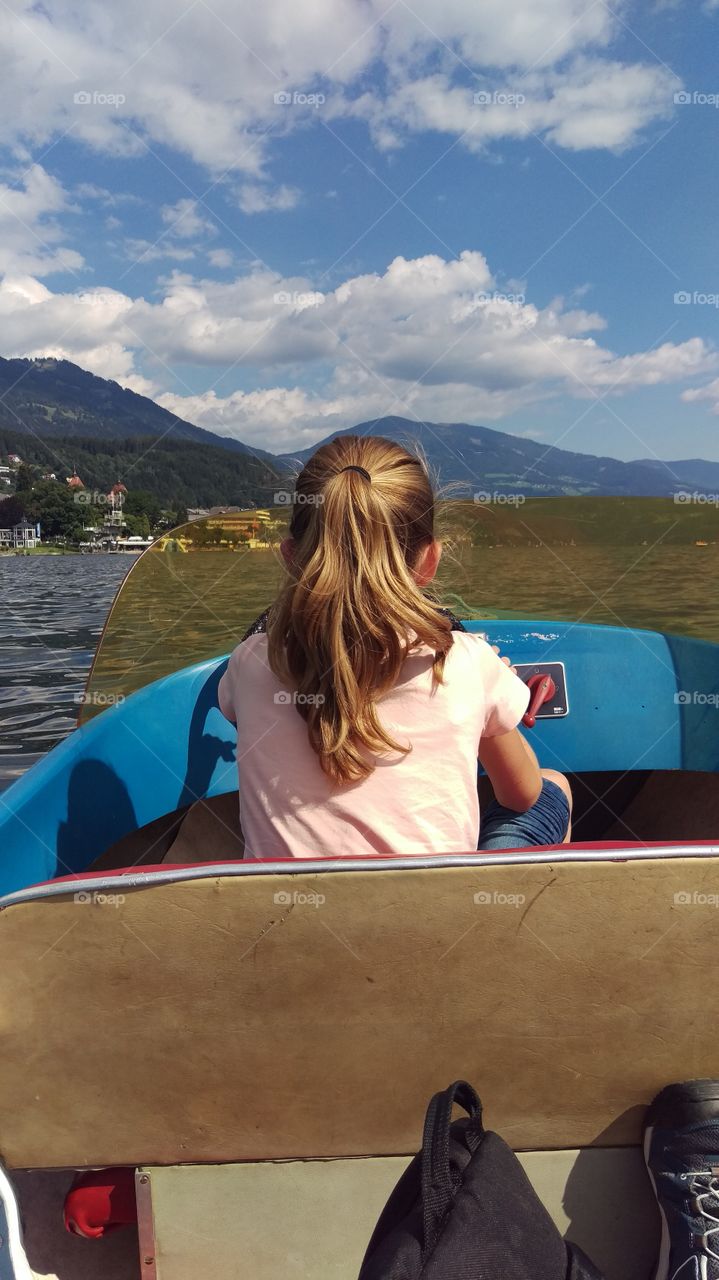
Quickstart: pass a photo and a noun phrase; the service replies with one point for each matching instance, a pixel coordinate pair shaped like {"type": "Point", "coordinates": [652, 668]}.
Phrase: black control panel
{"type": "Point", "coordinates": [559, 704]}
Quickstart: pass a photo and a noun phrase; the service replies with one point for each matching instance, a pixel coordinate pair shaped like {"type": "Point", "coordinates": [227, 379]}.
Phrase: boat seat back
{"type": "Point", "coordinates": [270, 1011]}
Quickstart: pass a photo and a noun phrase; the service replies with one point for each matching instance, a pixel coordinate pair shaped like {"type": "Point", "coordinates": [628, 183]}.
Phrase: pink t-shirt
{"type": "Point", "coordinates": [421, 803]}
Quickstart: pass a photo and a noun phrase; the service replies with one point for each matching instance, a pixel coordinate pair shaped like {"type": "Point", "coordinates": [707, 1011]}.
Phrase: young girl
{"type": "Point", "coordinates": [361, 708]}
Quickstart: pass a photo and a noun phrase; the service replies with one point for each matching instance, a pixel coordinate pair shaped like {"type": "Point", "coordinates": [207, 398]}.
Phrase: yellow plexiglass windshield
{"type": "Point", "coordinates": [637, 562]}
{"type": "Point", "coordinates": [192, 595]}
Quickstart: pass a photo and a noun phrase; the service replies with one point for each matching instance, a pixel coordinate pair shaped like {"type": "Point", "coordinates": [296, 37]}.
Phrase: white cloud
{"type": "Point", "coordinates": [427, 336]}
{"type": "Point", "coordinates": [275, 418]}
{"type": "Point", "coordinates": [253, 198]}
{"type": "Point", "coordinates": [116, 76]}
{"type": "Point", "coordinates": [220, 257]}
{"type": "Point", "coordinates": [185, 220]}
{"type": "Point", "coordinates": [708, 394]}
{"type": "Point", "coordinates": [591, 103]}
{"type": "Point", "coordinates": [139, 250]}
{"type": "Point", "coordinates": [30, 237]}
{"type": "Point", "coordinates": [78, 326]}
{"type": "Point", "coordinates": [496, 34]}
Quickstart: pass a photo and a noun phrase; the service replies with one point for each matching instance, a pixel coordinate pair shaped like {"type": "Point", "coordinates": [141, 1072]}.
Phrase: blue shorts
{"type": "Point", "coordinates": [547, 822]}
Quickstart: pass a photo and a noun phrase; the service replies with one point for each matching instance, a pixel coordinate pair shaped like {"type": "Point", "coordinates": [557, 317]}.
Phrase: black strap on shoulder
{"type": "Point", "coordinates": [259, 626]}
{"type": "Point", "coordinates": [438, 1188]}
{"type": "Point", "coordinates": [457, 624]}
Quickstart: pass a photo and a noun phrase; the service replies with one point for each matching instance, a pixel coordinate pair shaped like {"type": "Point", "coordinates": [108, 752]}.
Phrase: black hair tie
{"type": "Point", "coordinates": [361, 471]}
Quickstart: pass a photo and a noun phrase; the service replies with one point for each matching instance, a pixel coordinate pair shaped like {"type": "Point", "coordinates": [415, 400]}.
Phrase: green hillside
{"type": "Point", "coordinates": [177, 472]}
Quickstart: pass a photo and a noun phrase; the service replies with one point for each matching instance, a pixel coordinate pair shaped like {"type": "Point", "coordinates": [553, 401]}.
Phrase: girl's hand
{"type": "Point", "coordinates": [507, 661]}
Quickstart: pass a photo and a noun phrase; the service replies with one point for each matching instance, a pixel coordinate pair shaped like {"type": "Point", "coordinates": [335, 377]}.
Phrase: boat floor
{"type": "Point", "coordinates": [267, 1215]}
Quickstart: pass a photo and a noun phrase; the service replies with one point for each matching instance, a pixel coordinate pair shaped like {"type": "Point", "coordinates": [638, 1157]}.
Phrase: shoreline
{"type": "Point", "coordinates": [40, 551]}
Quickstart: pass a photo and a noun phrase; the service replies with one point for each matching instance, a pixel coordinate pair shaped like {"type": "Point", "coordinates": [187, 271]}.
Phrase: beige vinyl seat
{"type": "Point", "coordinates": [261, 1040]}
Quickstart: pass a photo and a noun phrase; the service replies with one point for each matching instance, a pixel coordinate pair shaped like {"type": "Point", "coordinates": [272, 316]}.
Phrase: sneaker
{"type": "Point", "coordinates": [681, 1149]}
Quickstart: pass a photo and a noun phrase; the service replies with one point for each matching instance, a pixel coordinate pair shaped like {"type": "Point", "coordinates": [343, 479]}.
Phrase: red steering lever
{"type": "Point", "coordinates": [542, 689]}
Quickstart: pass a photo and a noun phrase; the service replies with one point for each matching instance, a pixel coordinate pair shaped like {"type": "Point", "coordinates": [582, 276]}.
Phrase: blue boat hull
{"type": "Point", "coordinates": [638, 700]}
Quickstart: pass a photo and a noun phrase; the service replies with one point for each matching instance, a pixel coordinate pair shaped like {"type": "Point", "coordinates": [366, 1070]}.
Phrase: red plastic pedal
{"type": "Point", "coordinates": [99, 1201]}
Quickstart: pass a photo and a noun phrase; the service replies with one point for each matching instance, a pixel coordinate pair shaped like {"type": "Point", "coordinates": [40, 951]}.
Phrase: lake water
{"type": "Point", "coordinates": [179, 608]}
{"type": "Point", "coordinates": [52, 611]}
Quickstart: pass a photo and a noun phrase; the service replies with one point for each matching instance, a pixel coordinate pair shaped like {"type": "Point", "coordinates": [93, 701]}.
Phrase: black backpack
{"type": "Point", "coordinates": [466, 1210]}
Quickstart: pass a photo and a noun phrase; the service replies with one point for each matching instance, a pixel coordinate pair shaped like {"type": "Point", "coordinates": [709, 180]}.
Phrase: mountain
{"type": "Point", "coordinates": [104, 428]}
{"type": "Point", "coordinates": [695, 472]}
{"type": "Point", "coordinates": [53, 398]}
{"type": "Point", "coordinates": [479, 459]}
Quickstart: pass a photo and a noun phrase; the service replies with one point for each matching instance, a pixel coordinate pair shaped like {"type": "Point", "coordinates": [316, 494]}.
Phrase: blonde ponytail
{"type": "Point", "coordinates": [342, 625]}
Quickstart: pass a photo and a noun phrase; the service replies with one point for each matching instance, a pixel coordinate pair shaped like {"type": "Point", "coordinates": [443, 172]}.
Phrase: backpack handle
{"type": "Point", "coordinates": [437, 1187]}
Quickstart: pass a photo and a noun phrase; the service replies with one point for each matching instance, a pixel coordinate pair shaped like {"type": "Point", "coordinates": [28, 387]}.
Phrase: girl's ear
{"type": "Point", "coordinates": [287, 547]}
{"type": "Point", "coordinates": [428, 563]}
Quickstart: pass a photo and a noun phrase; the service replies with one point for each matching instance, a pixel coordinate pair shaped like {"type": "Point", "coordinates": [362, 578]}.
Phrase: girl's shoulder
{"type": "Point", "coordinates": [472, 643]}
{"type": "Point", "coordinates": [473, 658]}
{"type": "Point", "coordinates": [248, 647]}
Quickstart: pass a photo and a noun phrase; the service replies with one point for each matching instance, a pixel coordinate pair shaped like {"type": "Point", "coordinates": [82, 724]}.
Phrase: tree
{"type": "Point", "coordinates": [142, 503]}
{"type": "Point", "coordinates": [24, 479]}
{"type": "Point", "coordinates": [12, 510]}
{"type": "Point", "coordinates": [137, 525]}
{"type": "Point", "coordinates": [57, 510]}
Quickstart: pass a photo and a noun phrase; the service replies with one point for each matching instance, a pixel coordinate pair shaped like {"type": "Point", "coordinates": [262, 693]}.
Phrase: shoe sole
{"type": "Point", "coordinates": [676, 1105]}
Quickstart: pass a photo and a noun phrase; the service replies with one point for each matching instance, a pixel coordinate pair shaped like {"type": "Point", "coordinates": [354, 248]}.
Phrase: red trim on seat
{"type": "Point", "coordinates": [379, 857]}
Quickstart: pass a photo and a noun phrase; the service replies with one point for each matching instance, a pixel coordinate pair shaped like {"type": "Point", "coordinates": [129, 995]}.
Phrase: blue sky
{"type": "Point", "coordinates": [383, 242]}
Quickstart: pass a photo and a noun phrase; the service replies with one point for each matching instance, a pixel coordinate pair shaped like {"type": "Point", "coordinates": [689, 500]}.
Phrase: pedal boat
{"type": "Point", "coordinates": [252, 1045]}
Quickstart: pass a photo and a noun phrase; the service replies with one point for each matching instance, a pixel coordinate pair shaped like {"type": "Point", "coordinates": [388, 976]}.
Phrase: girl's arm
{"type": "Point", "coordinates": [512, 769]}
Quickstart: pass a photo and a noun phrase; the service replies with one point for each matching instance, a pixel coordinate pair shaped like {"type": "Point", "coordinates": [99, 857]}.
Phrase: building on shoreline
{"type": "Point", "coordinates": [21, 537]}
